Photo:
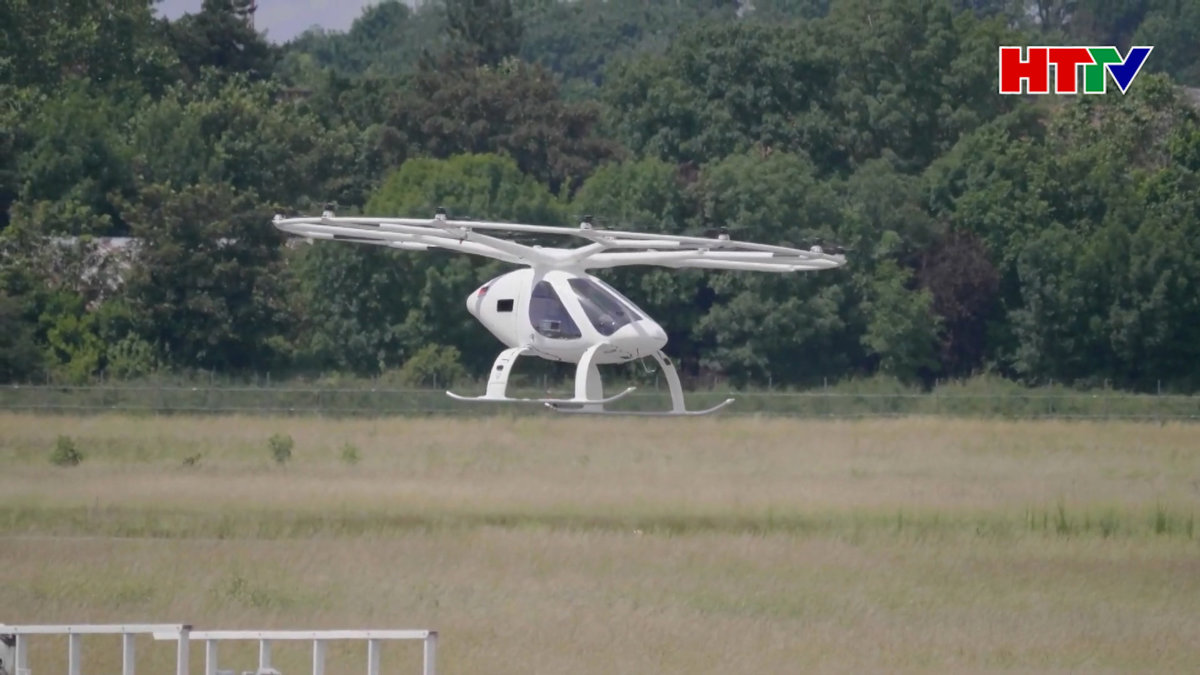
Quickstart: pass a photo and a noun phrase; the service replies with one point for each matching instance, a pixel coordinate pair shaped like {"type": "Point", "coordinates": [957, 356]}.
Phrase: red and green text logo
{"type": "Point", "coordinates": [1032, 68]}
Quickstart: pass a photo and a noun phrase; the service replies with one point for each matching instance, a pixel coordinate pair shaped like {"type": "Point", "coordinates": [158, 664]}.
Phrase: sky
{"type": "Point", "coordinates": [285, 19]}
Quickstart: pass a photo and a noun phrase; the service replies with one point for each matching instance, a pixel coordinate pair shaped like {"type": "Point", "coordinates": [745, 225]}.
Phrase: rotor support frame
{"type": "Point", "coordinates": [604, 248]}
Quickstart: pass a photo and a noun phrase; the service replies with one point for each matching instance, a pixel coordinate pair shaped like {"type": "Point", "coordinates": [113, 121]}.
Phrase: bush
{"type": "Point", "coordinates": [281, 447]}
{"type": "Point", "coordinates": [432, 366]}
{"type": "Point", "coordinates": [131, 357]}
{"type": "Point", "coordinates": [350, 454]}
{"type": "Point", "coordinates": [65, 453]}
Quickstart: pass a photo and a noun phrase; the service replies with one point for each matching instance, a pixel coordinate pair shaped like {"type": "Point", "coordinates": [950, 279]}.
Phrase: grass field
{"type": "Point", "coordinates": [568, 545]}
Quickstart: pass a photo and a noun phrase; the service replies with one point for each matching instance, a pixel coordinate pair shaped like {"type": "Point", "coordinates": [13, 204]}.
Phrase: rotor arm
{"type": "Point", "coordinates": [750, 266]}
{"type": "Point", "coordinates": [727, 260]}
{"type": "Point", "coordinates": [438, 231]}
{"type": "Point", "coordinates": [401, 237]}
{"type": "Point", "coordinates": [520, 253]}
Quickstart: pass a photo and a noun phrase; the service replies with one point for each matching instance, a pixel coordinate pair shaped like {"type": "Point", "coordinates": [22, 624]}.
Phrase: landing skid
{"type": "Point", "coordinates": [642, 413]}
{"type": "Point", "coordinates": [589, 392]}
{"type": "Point", "coordinates": [552, 402]}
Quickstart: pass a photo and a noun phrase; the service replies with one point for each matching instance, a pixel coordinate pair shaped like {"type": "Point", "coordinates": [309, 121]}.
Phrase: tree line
{"type": "Point", "coordinates": [1035, 238]}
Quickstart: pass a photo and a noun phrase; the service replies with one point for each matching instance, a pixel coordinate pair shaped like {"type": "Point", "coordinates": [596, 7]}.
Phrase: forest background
{"type": "Point", "coordinates": [1038, 239]}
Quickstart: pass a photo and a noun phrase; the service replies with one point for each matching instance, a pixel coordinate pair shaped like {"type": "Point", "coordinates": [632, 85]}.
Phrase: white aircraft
{"type": "Point", "coordinates": [554, 309]}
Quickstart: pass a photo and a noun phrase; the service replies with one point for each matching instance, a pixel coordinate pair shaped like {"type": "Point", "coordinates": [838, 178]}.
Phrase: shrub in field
{"type": "Point", "coordinates": [281, 447]}
{"type": "Point", "coordinates": [65, 453]}
{"type": "Point", "coordinates": [350, 454]}
{"type": "Point", "coordinates": [431, 366]}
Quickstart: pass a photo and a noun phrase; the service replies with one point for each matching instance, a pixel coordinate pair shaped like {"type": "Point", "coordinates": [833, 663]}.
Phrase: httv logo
{"type": "Point", "coordinates": [1033, 68]}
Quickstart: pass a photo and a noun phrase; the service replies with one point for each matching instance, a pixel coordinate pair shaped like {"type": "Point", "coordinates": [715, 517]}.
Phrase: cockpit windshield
{"type": "Point", "coordinates": [604, 308]}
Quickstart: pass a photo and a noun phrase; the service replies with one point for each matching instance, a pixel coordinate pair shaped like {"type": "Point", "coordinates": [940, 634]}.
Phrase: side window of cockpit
{"type": "Point", "coordinates": [548, 314]}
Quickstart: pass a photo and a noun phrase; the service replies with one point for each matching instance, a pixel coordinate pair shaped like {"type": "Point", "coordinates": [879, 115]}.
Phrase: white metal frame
{"type": "Point", "coordinates": [608, 248]}
{"type": "Point", "coordinates": [183, 635]}
{"type": "Point", "coordinates": [319, 638]}
{"type": "Point", "coordinates": [75, 633]}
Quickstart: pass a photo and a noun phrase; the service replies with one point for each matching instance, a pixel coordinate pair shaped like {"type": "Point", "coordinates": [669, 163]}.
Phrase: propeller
{"type": "Point", "coordinates": [819, 246]}
{"type": "Point", "coordinates": [591, 221]}
{"type": "Point", "coordinates": [721, 233]}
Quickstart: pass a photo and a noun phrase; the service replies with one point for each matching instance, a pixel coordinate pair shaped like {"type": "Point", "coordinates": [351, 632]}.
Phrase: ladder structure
{"type": "Point", "coordinates": [319, 639]}
{"type": "Point", "coordinates": [75, 633]}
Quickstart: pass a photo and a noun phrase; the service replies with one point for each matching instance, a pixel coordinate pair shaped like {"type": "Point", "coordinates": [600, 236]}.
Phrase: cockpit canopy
{"type": "Point", "coordinates": [549, 315]}
{"type": "Point", "coordinates": [605, 309]}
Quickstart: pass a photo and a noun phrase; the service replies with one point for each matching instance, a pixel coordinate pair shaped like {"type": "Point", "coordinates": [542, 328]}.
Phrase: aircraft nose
{"type": "Point", "coordinates": [642, 338]}
{"type": "Point", "coordinates": [474, 300]}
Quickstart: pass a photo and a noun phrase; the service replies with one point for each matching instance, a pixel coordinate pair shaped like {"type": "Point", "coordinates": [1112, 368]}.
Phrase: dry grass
{"type": "Point", "coordinates": [567, 545]}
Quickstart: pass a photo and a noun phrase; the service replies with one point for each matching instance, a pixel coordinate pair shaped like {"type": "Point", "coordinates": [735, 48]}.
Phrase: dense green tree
{"type": "Point", "coordinates": [221, 36]}
{"type": "Point", "coordinates": [1067, 282]}
{"type": "Point", "coordinates": [883, 215]}
{"type": "Point", "coordinates": [964, 286]}
{"type": "Point", "coordinates": [902, 328]}
{"type": "Point", "coordinates": [366, 309]}
{"type": "Point", "coordinates": [204, 285]}
{"type": "Point", "coordinates": [774, 10]}
{"type": "Point", "coordinates": [577, 39]}
{"type": "Point", "coordinates": [60, 301]}
{"type": "Point", "coordinates": [725, 87]}
{"type": "Point", "coordinates": [22, 290]}
{"type": "Point", "coordinates": [74, 163]}
{"type": "Point", "coordinates": [1173, 28]}
{"type": "Point", "coordinates": [1155, 335]}
{"type": "Point", "coordinates": [911, 76]}
{"type": "Point", "coordinates": [488, 31]}
{"type": "Point", "coordinates": [470, 186]}
{"type": "Point", "coordinates": [44, 43]}
{"type": "Point", "coordinates": [647, 194]}
{"type": "Point", "coordinates": [240, 132]}
{"type": "Point", "coordinates": [1062, 212]}
{"type": "Point", "coordinates": [74, 351]}
{"type": "Point", "coordinates": [16, 103]}
{"type": "Point", "coordinates": [904, 77]}
{"type": "Point", "coordinates": [18, 351]}
{"type": "Point", "coordinates": [349, 307]}
{"type": "Point", "coordinates": [767, 326]}
{"type": "Point", "coordinates": [513, 108]}
{"type": "Point", "coordinates": [1107, 22]}
{"type": "Point", "coordinates": [387, 39]}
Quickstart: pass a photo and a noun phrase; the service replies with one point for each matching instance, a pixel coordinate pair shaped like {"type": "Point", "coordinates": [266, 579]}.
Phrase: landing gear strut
{"type": "Point", "coordinates": [589, 390]}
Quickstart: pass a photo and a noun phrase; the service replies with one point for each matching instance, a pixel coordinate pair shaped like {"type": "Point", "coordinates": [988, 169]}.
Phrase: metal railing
{"type": "Point", "coordinates": [319, 638]}
{"type": "Point", "coordinates": [183, 634]}
{"type": "Point", "coordinates": [75, 633]}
